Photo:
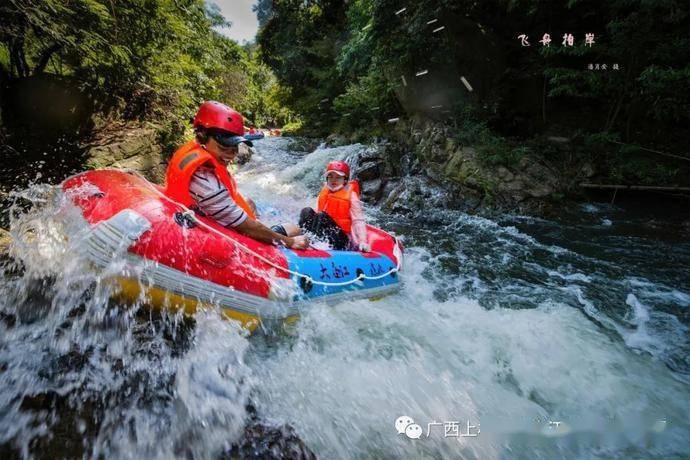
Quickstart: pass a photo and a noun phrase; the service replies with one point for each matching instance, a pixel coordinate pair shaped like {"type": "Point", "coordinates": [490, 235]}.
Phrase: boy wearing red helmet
{"type": "Point", "coordinates": [197, 175]}
{"type": "Point", "coordinates": [339, 216]}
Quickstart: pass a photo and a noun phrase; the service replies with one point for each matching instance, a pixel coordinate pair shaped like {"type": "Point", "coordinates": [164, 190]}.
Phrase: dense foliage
{"type": "Point", "coordinates": [153, 59]}
{"type": "Point", "coordinates": [354, 65]}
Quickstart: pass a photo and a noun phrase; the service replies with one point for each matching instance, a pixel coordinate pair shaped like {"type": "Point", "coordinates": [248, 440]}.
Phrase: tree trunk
{"type": "Point", "coordinates": [17, 57]}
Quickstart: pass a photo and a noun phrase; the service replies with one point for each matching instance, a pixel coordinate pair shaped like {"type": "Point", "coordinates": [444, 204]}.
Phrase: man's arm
{"type": "Point", "coordinates": [214, 200]}
{"type": "Point", "coordinates": [258, 231]}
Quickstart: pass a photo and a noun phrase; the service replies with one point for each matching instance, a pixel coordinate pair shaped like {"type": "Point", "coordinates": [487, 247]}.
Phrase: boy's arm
{"type": "Point", "coordinates": [359, 223]}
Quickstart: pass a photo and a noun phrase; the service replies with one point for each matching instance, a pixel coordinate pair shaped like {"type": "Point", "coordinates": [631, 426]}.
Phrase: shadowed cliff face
{"type": "Point", "coordinates": [44, 108]}
{"type": "Point", "coordinates": [43, 119]}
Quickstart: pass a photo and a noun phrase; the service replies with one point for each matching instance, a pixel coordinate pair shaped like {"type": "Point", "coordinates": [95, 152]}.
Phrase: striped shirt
{"type": "Point", "coordinates": [214, 200]}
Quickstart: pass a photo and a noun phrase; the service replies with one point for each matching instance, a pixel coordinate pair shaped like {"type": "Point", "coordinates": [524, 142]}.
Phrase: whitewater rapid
{"type": "Point", "coordinates": [546, 337]}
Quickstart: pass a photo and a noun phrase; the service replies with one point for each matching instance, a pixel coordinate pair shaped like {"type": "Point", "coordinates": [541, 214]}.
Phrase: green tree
{"type": "Point", "coordinates": [300, 43]}
{"type": "Point", "coordinates": [372, 43]}
{"type": "Point", "coordinates": [153, 59]}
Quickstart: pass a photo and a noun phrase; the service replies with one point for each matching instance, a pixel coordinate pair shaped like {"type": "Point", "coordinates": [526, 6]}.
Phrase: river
{"type": "Point", "coordinates": [513, 337]}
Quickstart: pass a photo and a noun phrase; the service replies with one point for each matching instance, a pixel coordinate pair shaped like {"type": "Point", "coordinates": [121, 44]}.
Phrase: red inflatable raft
{"type": "Point", "coordinates": [179, 260]}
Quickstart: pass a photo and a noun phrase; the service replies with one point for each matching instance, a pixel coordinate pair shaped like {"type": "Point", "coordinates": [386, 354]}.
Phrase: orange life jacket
{"type": "Point", "coordinates": [337, 205]}
{"type": "Point", "coordinates": [188, 159]}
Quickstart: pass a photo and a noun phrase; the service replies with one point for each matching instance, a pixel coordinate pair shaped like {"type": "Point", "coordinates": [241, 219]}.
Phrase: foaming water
{"type": "Point", "coordinates": [548, 338]}
{"type": "Point", "coordinates": [282, 183]}
{"type": "Point", "coordinates": [351, 371]}
{"type": "Point", "coordinates": [497, 325]}
{"type": "Point", "coordinates": [82, 375]}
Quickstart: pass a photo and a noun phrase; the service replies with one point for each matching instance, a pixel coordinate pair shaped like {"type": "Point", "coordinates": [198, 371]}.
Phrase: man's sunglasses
{"type": "Point", "coordinates": [228, 140]}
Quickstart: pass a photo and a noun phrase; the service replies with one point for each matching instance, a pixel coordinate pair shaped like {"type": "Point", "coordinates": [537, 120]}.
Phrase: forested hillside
{"type": "Point", "coordinates": [61, 62]}
{"type": "Point", "coordinates": [611, 80]}
{"type": "Point", "coordinates": [352, 66]}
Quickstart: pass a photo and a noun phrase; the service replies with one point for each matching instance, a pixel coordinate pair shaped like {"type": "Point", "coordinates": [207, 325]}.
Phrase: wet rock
{"type": "Point", "coordinates": [368, 171]}
{"type": "Point", "coordinates": [303, 144]}
{"type": "Point", "coordinates": [414, 194]}
{"type": "Point", "coordinates": [587, 170]}
{"type": "Point", "coordinates": [391, 195]}
{"type": "Point", "coordinates": [459, 165]}
{"type": "Point", "coordinates": [5, 241]}
{"type": "Point", "coordinates": [453, 168]}
{"type": "Point", "coordinates": [466, 155]}
{"type": "Point", "coordinates": [262, 442]}
{"type": "Point", "coordinates": [540, 192]}
{"type": "Point", "coordinates": [375, 153]}
{"type": "Point", "coordinates": [336, 140]}
{"type": "Point", "coordinates": [467, 201]}
{"type": "Point", "coordinates": [245, 154]}
{"type": "Point", "coordinates": [372, 190]}
{"type": "Point", "coordinates": [504, 173]}
{"type": "Point", "coordinates": [439, 137]}
{"type": "Point", "coordinates": [125, 146]}
{"type": "Point", "coordinates": [388, 189]}
{"type": "Point", "coordinates": [514, 186]}
{"type": "Point", "coordinates": [437, 154]}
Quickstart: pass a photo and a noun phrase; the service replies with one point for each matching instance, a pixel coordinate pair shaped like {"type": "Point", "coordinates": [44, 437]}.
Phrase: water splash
{"type": "Point", "coordinates": [81, 373]}
{"type": "Point", "coordinates": [511, 324]}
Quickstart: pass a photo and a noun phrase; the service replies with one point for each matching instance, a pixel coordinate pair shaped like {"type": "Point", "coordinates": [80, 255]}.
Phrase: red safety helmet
{"type": "Point", "coordinates": [214, 115]}
{"type": "Point", "coordinates": [338, 167]}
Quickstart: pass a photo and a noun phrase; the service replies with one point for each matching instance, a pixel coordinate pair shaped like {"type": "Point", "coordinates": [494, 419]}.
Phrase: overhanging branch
{"type": "Point", "coordinates": [45, 57]}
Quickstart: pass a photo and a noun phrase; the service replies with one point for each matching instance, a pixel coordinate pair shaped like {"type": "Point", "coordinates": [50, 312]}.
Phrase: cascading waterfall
{"type": "Point", "coordinates": [563, 338]}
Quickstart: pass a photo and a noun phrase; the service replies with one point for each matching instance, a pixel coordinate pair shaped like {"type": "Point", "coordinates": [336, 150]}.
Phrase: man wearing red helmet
{"type": "Point", "coordinates": [197, 175]}
{"type": "Point", "coordinates": [339, 216]}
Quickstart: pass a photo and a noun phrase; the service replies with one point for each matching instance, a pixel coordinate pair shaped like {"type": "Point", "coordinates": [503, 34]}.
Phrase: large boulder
{"type": "Point", "coordinates": [128, 146]}
{"type": "Point", "coordinates": [260, 441]}
{"type": "Point", "coordinates": [245, 154]}
{"type": "Point", "coordinates": [303, 145]}
{"type": "Point", "coordinates": [368, 171]}
{"type": "Point", "coordinates": [372, 190]}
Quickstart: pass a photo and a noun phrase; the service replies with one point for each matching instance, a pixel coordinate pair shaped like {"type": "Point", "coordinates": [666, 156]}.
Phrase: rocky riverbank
{"type": "Point", "coordinates": [418, 162]}
{"type": "Point", "coordinates": [424, 160]}
{"type": "Point", "coordinates": [126, 145]}
{"type": "Point", "coordinates": [134, 146]}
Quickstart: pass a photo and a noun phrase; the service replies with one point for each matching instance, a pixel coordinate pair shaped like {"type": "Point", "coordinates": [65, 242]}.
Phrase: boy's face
{"type": "Point", "coordinates": [334, 180]}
